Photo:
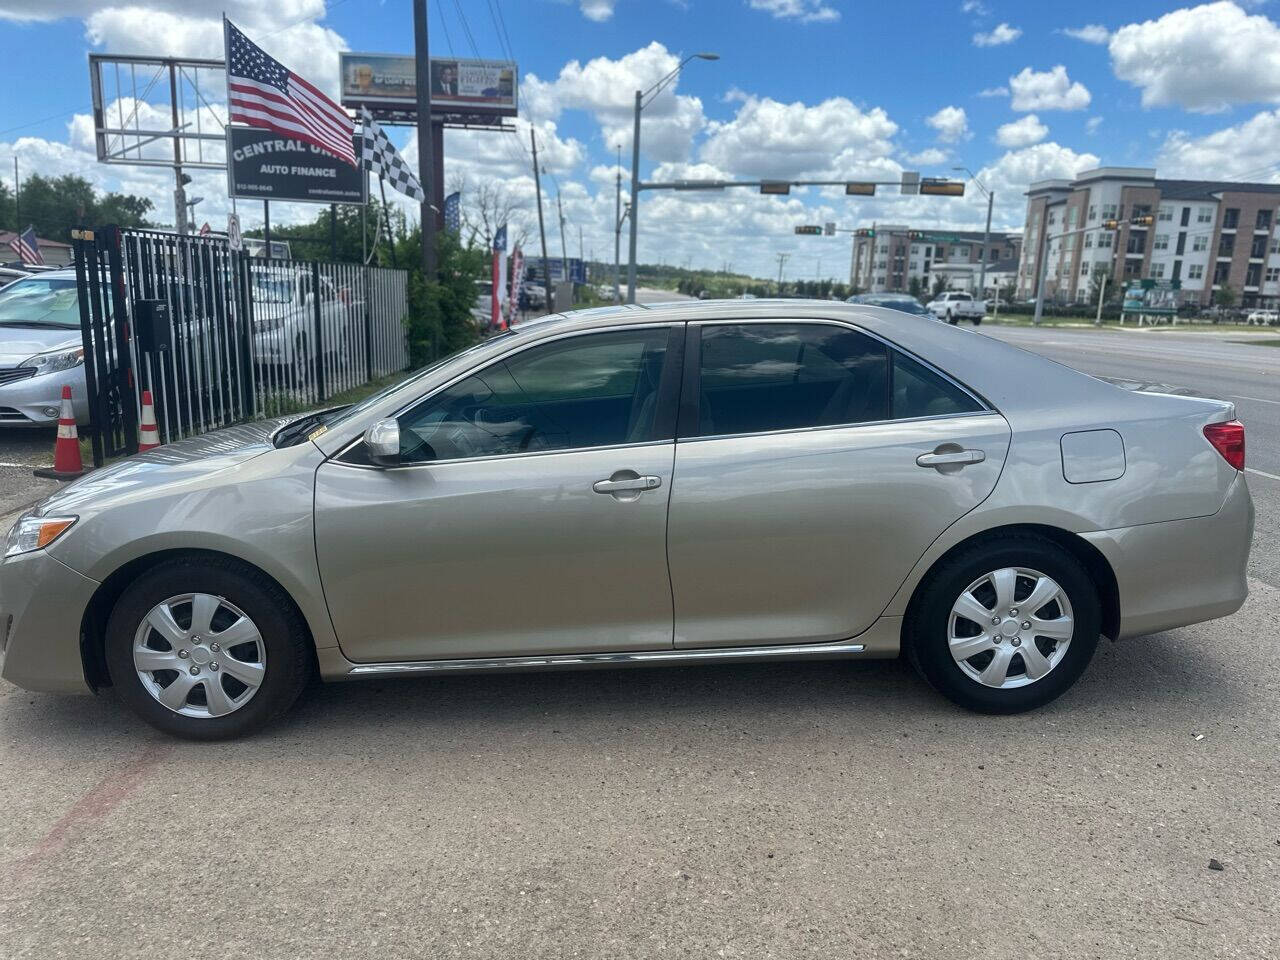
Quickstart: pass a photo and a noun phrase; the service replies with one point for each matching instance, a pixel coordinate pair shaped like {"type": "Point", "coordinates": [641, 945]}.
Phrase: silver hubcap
{"type": "Point", "coordinates": [199, 655]}
{"type": "Point", "coordinates": [1010, 627]}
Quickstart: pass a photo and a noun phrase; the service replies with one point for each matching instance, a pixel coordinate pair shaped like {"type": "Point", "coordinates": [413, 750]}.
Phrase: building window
{"type": "Point", "coordinates": [1253, 276]}
{"type": "Point", "coordinates": [1105, 239]}
{"type": "Point", "coordinates": [1157, 270]}
{"type": "Point", "coordinates": [1274, 246]}
{"type": "Point", "coordinates": [1182, 243]}
{"type": "Point", "coordinates": [1230, 218]}
{"type": "Point", "coordinates": [1199, 243]}
{"type": "Point", "coordinates": [1186, 216]}
{"type": "Point", "coordinates": [1093, 212]}
{"type": "Point", "coordinates": [884, 248]}
{"type": "Point", "coordinates": [1220, 273]}
{"type": "Point", "coordinates": [941, 252]}
{"type": "Point", "coordinates": [915, 248]}
{"type": "Point", "coordinates": [1088, 240]}
{"type": "Point", "coordinates": [1161, 242]}
{"type": "Point", "coordinates": [1166, 213]}
{"type": "Point", "coordinates": [1108, 211]}
{"type": "Point", "coordinates": [1195, 271]}
{"type": "Point", "coordinates": [1204, 215]}
{"type": "Point", "coordinates": [1053, 217]}
{"type": "Point", "coordinates": [1132, 268]}
{"type": "Point", "coordinates": [1084, 268]}
{"type": "Point", "coordinates": [1227, 245]}
{"type": "Point", "coordinates": [1264, 220]}
{"type": "Point", "coordinates": [1137, 243]}
{"type": "Point", "coordinates": [1258, 249]}
{"type": "Point", "coordinates": [1273, 274]}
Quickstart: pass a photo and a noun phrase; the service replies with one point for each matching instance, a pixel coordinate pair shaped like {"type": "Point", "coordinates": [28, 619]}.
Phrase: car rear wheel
{"type": "Point", "coordinates": [1005, 626]}
{"type": "Point", "coordinates": [207, 649]}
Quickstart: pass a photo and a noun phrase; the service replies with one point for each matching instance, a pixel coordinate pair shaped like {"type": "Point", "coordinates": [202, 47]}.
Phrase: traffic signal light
{"type": "Point", "coordinates": [1110, 224]}
{"type": "Point", "coordinates": [853, 189]}
{"type": "Point", "coordinates": [942, 188]}
{"type": "Point", "coordinates": [810, 230]}
{"type": "Point", "coordinates": [1144, 221]}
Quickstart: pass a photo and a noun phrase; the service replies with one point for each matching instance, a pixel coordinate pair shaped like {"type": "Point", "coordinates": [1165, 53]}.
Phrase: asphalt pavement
{"type": "Point", "coordinates": [751, 811]}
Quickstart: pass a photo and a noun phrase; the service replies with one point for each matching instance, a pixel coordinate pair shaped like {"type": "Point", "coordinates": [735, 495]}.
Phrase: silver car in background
{"type": "Point", "coordinates": [715, 481]}
{"type": "Point", "coordinates": [40, 350]}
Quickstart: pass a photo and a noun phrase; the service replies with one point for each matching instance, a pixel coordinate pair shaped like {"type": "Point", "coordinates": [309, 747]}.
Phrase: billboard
{"type": "Point", "coordinates": [457, 86]}
{"type": "Point", "coordinates": [262, 165]}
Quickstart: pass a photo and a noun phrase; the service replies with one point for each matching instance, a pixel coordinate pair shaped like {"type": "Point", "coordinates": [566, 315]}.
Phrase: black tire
{"type": "Point", "coordinates": [952, 320]}
{"type": "Point", "coordinates": [289, 655]}
{"type": "Point", "coordinates": [926, 628]}
{"type": "Point", "coordinates": [977, 321]}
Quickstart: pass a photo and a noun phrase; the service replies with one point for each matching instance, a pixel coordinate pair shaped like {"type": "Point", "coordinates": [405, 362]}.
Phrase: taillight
{"type": "Point", "coordinates": [1228, 439]}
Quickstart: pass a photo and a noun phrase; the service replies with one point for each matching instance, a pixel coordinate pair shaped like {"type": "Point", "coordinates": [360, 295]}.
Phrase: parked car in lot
{"type": "Point", "coordinates": [1265, 318]}
{"type": "Point", "coordinates": [284, 318]}
{"type": "Point", "coordinates": [956, 305]}
{"type": "Point", "coordinates": [41, 350]}
{"type": "Point", "coordinates": [893, 301]}
{"type": "Point", "coordinates": [700, 482]}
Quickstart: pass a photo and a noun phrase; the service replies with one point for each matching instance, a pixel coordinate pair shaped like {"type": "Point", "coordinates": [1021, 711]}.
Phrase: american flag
{"type": "Point", "coordinates": [263, 93]}
{"type": "Point", "coordinates": [27, 247]}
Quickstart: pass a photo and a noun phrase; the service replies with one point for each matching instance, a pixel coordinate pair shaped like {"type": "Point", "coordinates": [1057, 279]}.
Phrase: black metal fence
{"type": "Point", "coordinates": [220, 337]}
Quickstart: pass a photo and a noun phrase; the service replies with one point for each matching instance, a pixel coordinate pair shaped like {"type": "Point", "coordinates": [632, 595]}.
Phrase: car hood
{"type": "Point", "coordinates": [193, 461]}
{"type": "Point", "coordinates": [21, 343]}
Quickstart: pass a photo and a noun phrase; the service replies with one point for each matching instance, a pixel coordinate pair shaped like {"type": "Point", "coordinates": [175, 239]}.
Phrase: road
{"type": "Point", "coordinates": [1246, 373]}
{"type": "Point", "coordinates": [749, 811]}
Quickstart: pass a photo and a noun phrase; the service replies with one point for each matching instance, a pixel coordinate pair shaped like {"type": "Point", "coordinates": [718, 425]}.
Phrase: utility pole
{"type": "Point", "coordinates": [426, 147]}
{"type": "Point", "coordinates": [564, 251]}
{"type": "Point", "coordinates": [986, 238]}
{"type": "Point", "coordinates": [635, 199]}
{"type": "Point", "coordinates": [542, 230]}
{"type": "Point", "coordinates": [180, 182]}
{"type": "Point", "coordinates": [17, 199]}
{"type": "Point", "coordinates": [782, 262]}
{"type": "Point", "coordinates": [1102, 295]}
{"type": "Point", "coordinates": [617, 230]}
{"type": "Point", "coordinates": [1041, 264]}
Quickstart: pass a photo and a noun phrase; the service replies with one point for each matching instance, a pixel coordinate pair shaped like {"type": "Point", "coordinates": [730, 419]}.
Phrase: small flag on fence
{"type": "Point", "coordinates": [381, 157]}
{"type": "Point", "coordinates": [27, 247]}
{"type": "Point", "coordinates": [499, 278]}
{"type": "Point", "coordinates": [453, 212]}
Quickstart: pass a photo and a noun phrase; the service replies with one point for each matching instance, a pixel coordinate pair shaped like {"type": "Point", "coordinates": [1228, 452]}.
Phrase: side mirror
{"type": "Point", "coordinates": [382, 440]}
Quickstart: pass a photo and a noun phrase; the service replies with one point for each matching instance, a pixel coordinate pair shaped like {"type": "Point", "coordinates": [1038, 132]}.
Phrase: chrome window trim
{"type": "Point", "coordinates": [502, 456]}
{"type": "Point", "coordinates": [502, 358]}
{"type": "Point", "coordinates": [839, 426]}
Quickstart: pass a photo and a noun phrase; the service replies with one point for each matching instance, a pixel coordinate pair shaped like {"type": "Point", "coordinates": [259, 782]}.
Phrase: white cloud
{"type": "Point", "coordinates": [606, 89]}
{"type": "Point", "coordinates": [1022, 132]}
{"type": "Point", "coordinates": [975, 7]}
{"type": "Point", "coordinates": [994, 92]}
{"type": "Point", "coordinates": [1089, 33]}
{"type": "Point", "coordinates": [998, 37]}
{"type": "Point", "coordinates": [806, 11]}
{"type": "Point", "coordinates": [597, 10]}
{"type": "Point", "coordinates": [1245, 151]}
{"type": "Point", "coordinates": [1202, 58]}
{"type": "Point", "coordinates": [1047, 90]}
{"type": "Point", "coordinates": [1092, 124]}
{"type": "Point", "coordinates": [1012, 173]}
{"type": "Point", "coordinates": [952, 124]}
{"type": "Point", "coordinates": [930, 157]}
{"type": "Point", "coordinates": [281, 13]}
{"type": "Point", "coordinates": [793, 140]}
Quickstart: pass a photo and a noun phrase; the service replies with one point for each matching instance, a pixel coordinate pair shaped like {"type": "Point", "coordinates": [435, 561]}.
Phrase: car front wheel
{"type": "Point", "coordinates": [207, 649]}
{"type": "Point", "coordinates": [1005, 626]}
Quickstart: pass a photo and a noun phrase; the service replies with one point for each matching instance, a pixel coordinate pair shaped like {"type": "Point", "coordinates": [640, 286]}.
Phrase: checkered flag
{"type": "Point", "coordinates": [380, 157]}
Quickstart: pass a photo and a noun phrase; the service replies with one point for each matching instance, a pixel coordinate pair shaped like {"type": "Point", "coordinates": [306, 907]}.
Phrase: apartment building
{"type": "Point", "coordinates": [1207, 236]}
{"type": "Point", "coordinates": [888, 257]}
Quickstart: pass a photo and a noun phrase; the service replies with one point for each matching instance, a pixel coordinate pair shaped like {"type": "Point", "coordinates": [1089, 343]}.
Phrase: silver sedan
{"type": "Point", "coordinates": [677, 484]}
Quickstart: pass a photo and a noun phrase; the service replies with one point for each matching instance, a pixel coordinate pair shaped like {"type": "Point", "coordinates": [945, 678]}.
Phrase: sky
{"type": "Point", "coordinates": [802, 89]}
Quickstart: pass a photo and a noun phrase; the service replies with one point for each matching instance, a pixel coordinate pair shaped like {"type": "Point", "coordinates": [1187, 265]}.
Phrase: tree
{"type": "Point", "coordinates": [486, 208]}
{"type": "Point", "coordinates": [54, 205]}
{"type": "Point", "coordinates": [1096, 280]}
{"type": "Point", "coordinates": [915, 287]}
{"type": "Point", "coordinates": [1226, 297]}
{"type": "Point", "coordinates": [939, 285]}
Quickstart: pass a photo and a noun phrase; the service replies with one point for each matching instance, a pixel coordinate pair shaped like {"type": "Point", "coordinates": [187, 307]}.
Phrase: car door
{"type": "Point", "coordinates": [815, 464]}
{"type": "Point", "coordinates": [528, 515]}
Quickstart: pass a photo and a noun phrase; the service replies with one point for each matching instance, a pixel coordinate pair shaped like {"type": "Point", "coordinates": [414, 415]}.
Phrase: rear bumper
{"type": "Point", "coordinates": [42, 602]}
{"type": "Point", "coordinates": [1183, 571]}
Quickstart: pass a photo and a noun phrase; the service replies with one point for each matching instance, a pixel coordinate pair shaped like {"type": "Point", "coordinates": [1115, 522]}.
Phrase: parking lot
{"type": "Point", "coordinates": [813, 809]}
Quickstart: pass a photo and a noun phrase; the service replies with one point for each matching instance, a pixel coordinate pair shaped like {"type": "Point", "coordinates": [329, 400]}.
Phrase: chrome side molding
{"type": "Point", "coordinates": [639, 658]}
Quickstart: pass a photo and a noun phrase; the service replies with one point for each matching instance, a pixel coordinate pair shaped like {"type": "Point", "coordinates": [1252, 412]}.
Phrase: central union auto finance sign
{"type": "Point", "coordinates": [262, 165]}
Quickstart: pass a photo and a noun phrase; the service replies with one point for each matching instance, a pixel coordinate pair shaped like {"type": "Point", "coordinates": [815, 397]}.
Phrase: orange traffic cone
{"type": "Point", "coordinates": [148, 435]}
{"type": "Point", "coordinates": [67, 464]}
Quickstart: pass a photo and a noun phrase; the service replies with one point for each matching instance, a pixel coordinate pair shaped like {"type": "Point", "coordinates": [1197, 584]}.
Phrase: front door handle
{"type": "Point", "coordinates": [950, 458]}
{"type": "Point", "coordinates": [630, 483]}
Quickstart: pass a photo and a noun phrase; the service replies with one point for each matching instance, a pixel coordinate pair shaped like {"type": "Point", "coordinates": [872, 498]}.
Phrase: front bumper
{"type": "Point", "coordinates": [1182, 571]}
{"type": "Point", "coordinates": [42, 603]}
{"type": "Point", "coordinates": [35, 402]}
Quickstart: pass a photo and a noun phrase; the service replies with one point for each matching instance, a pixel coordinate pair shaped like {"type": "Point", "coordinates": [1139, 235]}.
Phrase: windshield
{"type": "Point", "coordinates": [272, 289]}
{"type": "Point", "coordinates": [41, 300]}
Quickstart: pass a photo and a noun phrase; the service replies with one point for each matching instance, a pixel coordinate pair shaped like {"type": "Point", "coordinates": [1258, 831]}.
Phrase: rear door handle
{"type": "Point", "coordinates": [637, 483]}
{"type": "Point", "coordinates": [953, 457]}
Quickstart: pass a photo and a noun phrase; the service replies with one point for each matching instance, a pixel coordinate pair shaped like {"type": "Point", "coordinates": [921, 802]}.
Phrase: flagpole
{"type": "Point", "coordinates": [382, 188]}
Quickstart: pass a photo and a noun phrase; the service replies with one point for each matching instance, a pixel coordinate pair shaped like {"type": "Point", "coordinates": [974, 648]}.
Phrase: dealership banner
{"type": "Point", "coordinates": [389, 80]}
{"type": "Point", "coordinates": [263, 165]}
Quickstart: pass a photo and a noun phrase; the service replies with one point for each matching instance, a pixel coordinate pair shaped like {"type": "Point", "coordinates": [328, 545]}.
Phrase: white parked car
{"type": "Point", "coordinates": [955, 305]}
{"type": "Point", "coordinates": [1265, 318]}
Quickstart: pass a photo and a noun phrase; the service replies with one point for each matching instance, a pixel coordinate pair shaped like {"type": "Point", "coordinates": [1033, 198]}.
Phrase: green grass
{"type": "Point", "coordinates": [1260, 343]}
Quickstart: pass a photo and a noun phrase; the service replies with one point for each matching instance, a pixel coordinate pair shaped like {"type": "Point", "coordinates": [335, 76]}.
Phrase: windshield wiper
{"type": "Point", "coordinates": [292, 433]}
{"type": "Point", "coordinates": [39, 323]}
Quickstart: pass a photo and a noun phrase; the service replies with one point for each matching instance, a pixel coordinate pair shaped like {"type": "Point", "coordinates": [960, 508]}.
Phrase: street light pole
{"type": "Point", "coordinates": [617, 231]}
{"type": "Point", "coordinates": [986, 235]}
{"type": "Point", "coordinates": [652, 92]}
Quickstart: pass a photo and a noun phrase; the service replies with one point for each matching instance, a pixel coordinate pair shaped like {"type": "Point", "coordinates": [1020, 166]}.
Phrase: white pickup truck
{"type": "Point", "coordinates": [954, 306]}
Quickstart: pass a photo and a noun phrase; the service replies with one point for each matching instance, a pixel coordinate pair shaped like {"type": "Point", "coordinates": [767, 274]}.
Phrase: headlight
{"type": "Point", "coordinates": [35, 533]}
{"type": "Point", "coordinates": [55, 360]}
